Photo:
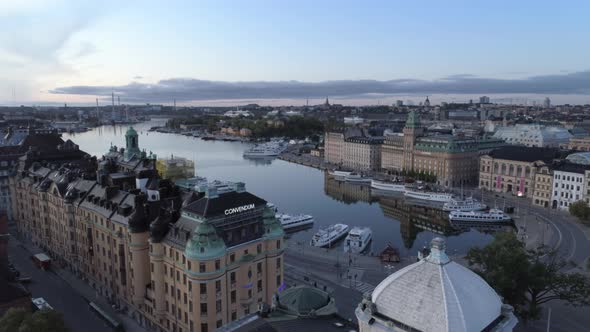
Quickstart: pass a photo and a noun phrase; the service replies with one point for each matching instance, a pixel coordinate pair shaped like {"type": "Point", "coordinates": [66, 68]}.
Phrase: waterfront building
{"type": "Point", "coordinates": [434, 294]}
{"type": "Point", "coordinates": [175, 168]}
{"type": "Point", "coordinates": [512, 169]}
{"type": "Point", "coordinates": [176, 259]}
{"type": "Point", "coordinates": [362, 153]}
{"type": "Point", "coordinates": [543, 186]}
{"type": "Point", "coordinates": [569, 184]}
{"type": "Point", "coordinates": [533, 135]}
{"type": "Point", "coordinates": [333, 147]}
{"type": "Point", "coordinates": [452, 159]}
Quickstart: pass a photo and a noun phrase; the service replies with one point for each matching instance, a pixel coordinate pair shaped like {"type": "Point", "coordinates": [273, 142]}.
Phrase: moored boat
{"type": "Point", "coordinates": [339, 173]}
{"type": "Point", "coordinates": [327, 236]}
{"type": "Point", "coordinates": [466, 204]}
{"type": "Point", "coordinates": [434, 196]}
{"type": "Point", "coordinates": [491, 216]}
{"type": "Point", "coordinates": [388, 186]}
{"type": "Point", "coordinates": [357, 239]}
{"type": "Point", "coordinates": [292, 222]}
{"type": "Point", "coordinates": [357, 178]}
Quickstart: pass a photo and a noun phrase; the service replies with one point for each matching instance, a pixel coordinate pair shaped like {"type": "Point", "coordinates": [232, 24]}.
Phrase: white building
{"type": "Point", "coordinates": [237, 113]}
{"type": "Point", "coordinates": [569, 185]}
{"type": "Point", "coordinates": [434, 294]}
{"type": "Point", "coordinates": [533, 135]}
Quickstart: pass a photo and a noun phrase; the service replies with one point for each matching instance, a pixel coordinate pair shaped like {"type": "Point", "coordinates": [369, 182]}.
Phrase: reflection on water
{"type": "Point", "coordinates": [295, 189]}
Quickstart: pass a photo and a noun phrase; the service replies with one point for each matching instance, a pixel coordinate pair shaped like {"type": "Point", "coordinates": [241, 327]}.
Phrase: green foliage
{"type": "Point", "coordinates": [581, 210]}
{"type": "Point", "coordinates": [527, 279]}
{"type": "Point", "coordinates": [422, 176]}
{"type": "Point", "coordinates": [41, 321]}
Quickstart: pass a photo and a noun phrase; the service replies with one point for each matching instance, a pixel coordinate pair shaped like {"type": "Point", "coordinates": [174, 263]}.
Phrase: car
{"type": "Point", "coordinates": [25, 279]}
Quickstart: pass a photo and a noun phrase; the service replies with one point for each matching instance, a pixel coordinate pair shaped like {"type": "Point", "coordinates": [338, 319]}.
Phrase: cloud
{"type": "Point", "coordinates": [186, 89]}
{"type": "Point", "coordinates": [137, 77]}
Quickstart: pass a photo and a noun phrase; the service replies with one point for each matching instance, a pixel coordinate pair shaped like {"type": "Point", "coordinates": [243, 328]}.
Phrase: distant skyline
{"type": "Point", "coordinates": [279, 52]}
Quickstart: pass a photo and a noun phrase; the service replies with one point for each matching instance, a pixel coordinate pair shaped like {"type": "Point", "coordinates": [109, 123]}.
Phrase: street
{"type": "Point", "coordinates": [59, 294]}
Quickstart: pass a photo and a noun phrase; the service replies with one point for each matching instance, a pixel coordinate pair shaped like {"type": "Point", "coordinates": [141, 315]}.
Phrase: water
{"type": "Point", "coordinates": [297, 189]}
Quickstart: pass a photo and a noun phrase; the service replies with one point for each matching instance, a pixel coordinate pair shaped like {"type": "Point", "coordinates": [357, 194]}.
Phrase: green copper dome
{"type": "Point", "coordinates": [130, 132]}
{"type": "Point", "coordinates": [272, 228]}
{"type": "Point", "coordinates": [204, 243]}
{"type": "Point", "coordinates": [413, 120]}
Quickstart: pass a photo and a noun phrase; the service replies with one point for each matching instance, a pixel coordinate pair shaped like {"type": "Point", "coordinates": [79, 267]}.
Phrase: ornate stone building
{"type": "Point", "coordinates": [178, 260]}
{"type": "Point", "coordinates": [452, 159]}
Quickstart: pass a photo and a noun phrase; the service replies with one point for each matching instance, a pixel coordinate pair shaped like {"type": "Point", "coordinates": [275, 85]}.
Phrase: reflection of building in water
{"type": "Point", "coordinates": [415, 218]}
{"type": "Point", "coordinates": [347, 192]}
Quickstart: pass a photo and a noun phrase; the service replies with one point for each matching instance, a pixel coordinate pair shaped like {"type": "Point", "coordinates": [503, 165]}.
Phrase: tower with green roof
{"type": "Point", "coordinates": [131, 144]}
{"type": "Point", "coordinates": [412, 130]}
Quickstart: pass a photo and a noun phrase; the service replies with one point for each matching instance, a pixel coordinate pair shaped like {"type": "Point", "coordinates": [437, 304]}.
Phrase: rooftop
{"type": "Point", "coordinates": [522, 153]}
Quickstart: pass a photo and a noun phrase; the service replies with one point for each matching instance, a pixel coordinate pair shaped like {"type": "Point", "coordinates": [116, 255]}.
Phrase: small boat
{"type": "Point", "coordinates": [339, 174]}
{"type": "Point", "coordinates": [326, 237]}
{"type": "Point", "coordinates": [357, 178]}
{"type": "Point", "coordinates": [290, 222]}
{"type": "Point", "coordinates": [428, 195]}
{"type": "Point", "coordinates": [270, 149]}
{"type": "Point", "coordinates": [493, 215]}
{"type": "Point", "coordinates": [388, 186]}
{"type": "Point", "coordinates": [466, 204]}
{"type": "Point", "coordinates": [357, 239]}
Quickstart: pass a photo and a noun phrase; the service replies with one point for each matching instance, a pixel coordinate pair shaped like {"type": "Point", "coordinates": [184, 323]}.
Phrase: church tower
{"type": "Point", "coordinates": [412, 130]}
{"type": "Point", "coordinates": [132, 144]}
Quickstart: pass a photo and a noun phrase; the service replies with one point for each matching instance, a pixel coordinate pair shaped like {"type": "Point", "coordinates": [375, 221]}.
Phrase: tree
{"type": "Point", "coordinates": [527, 279]}
{"type": "Point", "coordinates": [20, 320]}
{"type": "Point", "coordinates": [580, 209]}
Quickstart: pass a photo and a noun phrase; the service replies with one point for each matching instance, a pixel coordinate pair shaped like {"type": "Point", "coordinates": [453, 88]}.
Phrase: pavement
{"type": "Point", "coordinates": [65, 292]}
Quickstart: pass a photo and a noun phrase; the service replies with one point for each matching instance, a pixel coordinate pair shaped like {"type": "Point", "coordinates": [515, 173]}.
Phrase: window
{"type": "Point", "coordinates": [232, 257]}
{"type": "Point", "coordinates": [218, 285]}
{"type": "Point", "coordinates": [202, 267]}
{"type": "Point", "coordinates": [278, 280]}
{"type": "Point", "coordinates": [233, 296]}
{"type": "Point", "coordinates": [234, 315]}
{"type": "Point", "coordinates": [219, 323]}
{"type": "Point", "coordinates": [217, 265]}
{"type": "Point", "coordinates": [259, 248]}
{"type": "Point", "coordinates": [203, 288]}
{"type": "Point", "coordinates": [259, 267]}
{"type": "Point", "coordinates": [218, 306]}
{"type": "Point", "coordinates": [204, 327]}
{"type": "Point", "coordinates": [279, 263]}
{"type": "Point", "coordinates": [259, 286]}
{"type": "Point", "coordinates": [278, 244]}
{"type": "Point", "coordinates": [190, 306]}
{"type": "Point", "coordinates": [204, 308]}
{"type": "Point", "coordinates": [232, 277]}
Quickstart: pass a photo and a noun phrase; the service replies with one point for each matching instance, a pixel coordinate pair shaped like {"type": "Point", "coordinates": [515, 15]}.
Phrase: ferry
{"type": "Point", "coordinates": [270, 149]}
{"type": "Point", "coordinates": [357, 239]}
{"type": "Point", "coordinates": [434, 196]}
{"type": "Point", "coordinates": [290, 222]}
{"type": "Point", "coordinates": [388, 186]}
{"type": "Point", "coordinates": [466, 204]}
{"type": "Point", "coordinates": [357, 178]}
{"type": "Point", "coordinates": [493, 215]}
{"type": "Point", "coordinates": [326, 237]}
{"type": "Point", "coordinates": [339, 174]}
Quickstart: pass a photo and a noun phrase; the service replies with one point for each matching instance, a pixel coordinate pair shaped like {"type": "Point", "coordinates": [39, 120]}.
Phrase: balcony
{"type": "Point", "coordinates": [218, 295]}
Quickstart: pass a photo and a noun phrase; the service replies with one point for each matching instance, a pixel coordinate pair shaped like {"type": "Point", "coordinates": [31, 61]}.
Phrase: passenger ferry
{"type": "Point", "coordinates": [339, 174]}
{"type": "Point", "coordinates": [466, 204]}
{"type": "Point", "coordinates": [388, 186]}
{"type": "Point", "coordinates": [357, 239]}
{"type": "Point", "coordinates": [493, 215]}
{"type": "Point", "coordinates": [326, 237]}
{"type": "Point", "coordinates": [356, 178]}
{"type": "Point", "coordinates": [270, 149]}
{"type": "Point", "coordinates": [290, 222]}
{"type": "Point", "coordinates": [428, 195]}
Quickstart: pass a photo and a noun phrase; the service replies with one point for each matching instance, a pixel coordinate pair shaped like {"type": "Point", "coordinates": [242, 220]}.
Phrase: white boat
{"type": "Point", "coordinates": [326, 237]}
{"type": "Point", "coordinates": [339, 174]}
{"type": "Point", "coordinates": [357, 239]}
{"type": "Point", "coordinates": [270, 149]}
{"type": "Point", "coordinates": [428, 195]}
{"type": "Point", "coordinates": [493, 215]}
{"type": "Point", "coordinates": [357, 178]}
{"type": "Point", "coordinates": [290, 222]}
{"type": "Point", "coordinates": [388, 186]}
{"type": "Point", "coordinates": [466, 204]}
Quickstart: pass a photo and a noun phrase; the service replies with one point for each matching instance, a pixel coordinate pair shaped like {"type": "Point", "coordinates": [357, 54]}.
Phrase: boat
{"type": "Point", "coordinates": [493, 215]}
{"type": "Point", "coordinates": [270, 149]}
{"type": "Point", "coordinates": [291, 222]}
{"type": "Point", "coordinates": [465, 204]}
{"type": "Point", "coordinates": [357, 239]}
{"type": "Point", "coordinates": [326, 237]}
{"type": "Point", "coordinates": [357, 178]}
{"type": "Point", "coordinates": [388, 186]}
{"type": "Point", "coordinates": [339, 174]}
{"type": "Point", "coordinates": [426, 195]}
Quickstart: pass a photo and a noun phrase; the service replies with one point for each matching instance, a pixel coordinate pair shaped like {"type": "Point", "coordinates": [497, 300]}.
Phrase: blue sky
{"type": "Point", "coordinates": [46, 46]}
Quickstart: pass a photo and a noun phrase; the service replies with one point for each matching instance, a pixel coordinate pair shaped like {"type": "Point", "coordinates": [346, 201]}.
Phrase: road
{"type": "Point", "coordinates": [56, 292]}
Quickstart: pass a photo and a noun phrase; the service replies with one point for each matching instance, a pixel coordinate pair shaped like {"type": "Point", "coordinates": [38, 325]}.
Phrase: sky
{"type": "Point", "coordinates": [286, 52]}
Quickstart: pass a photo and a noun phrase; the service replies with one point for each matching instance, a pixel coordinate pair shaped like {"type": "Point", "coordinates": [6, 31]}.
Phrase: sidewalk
{"type": "Point", "coordinates": [87, 292]}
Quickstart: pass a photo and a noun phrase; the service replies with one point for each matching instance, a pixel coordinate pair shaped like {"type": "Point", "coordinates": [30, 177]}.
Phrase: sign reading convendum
{"type": "Point", "coordinates": [239, 209]}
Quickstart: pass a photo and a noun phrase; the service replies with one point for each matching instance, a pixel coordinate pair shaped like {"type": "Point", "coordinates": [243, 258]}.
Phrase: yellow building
{"type": "Point", "coordinates": [175, 168]}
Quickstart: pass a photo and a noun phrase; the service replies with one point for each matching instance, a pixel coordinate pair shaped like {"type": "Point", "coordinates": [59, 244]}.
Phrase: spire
{"type": "Point", "coordinates": [413, 120]}
{"type": "Point", "coordinates": [438, 253]}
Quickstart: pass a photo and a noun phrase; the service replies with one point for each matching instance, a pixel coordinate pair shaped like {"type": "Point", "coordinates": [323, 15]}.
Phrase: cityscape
{"type": "Point", "coordinates": [169, 193]}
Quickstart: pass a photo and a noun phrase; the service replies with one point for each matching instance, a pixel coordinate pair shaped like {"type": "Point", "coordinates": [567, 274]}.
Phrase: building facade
{"type": "Point", "coordinates": [178, 260]}
{"type": "Point", "coordinates": [569, 185]}
{"type": "Point", "coordinates": [533, 135]}
{"type": "Point", "coordinates": [543, 186]}
{"type": "Point", "coordinates": [362, 153]}
{"type": "Point", "coordinates": [333, 147]}
{"type": "Point", "coordinates": [513, 169]}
